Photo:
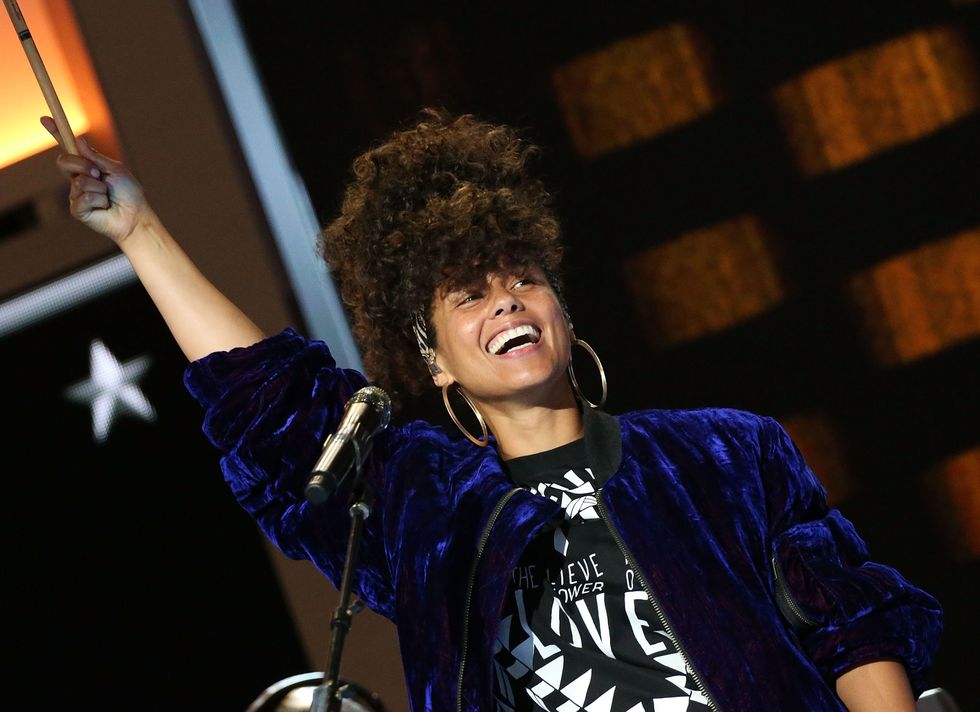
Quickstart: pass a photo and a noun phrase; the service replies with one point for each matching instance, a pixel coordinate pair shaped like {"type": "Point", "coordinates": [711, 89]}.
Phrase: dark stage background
{"type": "Point", "coordinates": [135, 580]}
{"type": "Point", "coordinates": [767, 206]}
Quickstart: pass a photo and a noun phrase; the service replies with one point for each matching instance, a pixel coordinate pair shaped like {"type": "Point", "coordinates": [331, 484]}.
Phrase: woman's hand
{"type": "Point", "coordinates": [106, 197]}
{"type": "Point", "coordinates": [104, 194]}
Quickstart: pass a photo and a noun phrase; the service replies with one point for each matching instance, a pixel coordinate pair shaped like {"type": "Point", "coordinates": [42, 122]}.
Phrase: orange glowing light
{"type": "Point", "coordinates": [825, 451]}
{"type": "Point", "coordinates": [733, 266]}
{"type": "Point", "coordinates": [637, 88]}
{"type": "Point", "coordinates": [922, 301]}
{"type": "Point", "coordinates": [856, 106]}
{"type": "Point", "coordinates": [21, 134]}
{"type": "Point", "coordinates": [959, 484]}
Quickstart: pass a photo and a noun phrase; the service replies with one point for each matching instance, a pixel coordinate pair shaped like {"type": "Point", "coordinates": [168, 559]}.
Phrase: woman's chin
{"type": "Point", "coordinates": [533, 389]}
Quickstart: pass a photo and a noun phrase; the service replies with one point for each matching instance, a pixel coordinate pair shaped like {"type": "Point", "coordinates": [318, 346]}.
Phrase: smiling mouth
{"type": "Point", "coordinates": [513, 339]}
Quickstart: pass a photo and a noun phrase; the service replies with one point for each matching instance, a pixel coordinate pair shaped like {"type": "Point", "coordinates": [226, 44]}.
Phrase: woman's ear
{"type": "Point", "coordinates": [430, 361]}
{"type": "Point", "coordinates": [442, 379]}
{"type": "Point", "coordinates": [439, 375]}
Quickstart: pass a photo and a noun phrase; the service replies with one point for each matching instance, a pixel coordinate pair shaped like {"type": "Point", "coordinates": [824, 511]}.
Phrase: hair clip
{"type": "Point", "coordinates": [422, 339]}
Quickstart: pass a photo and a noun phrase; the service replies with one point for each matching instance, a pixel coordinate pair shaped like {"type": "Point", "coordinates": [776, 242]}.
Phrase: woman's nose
{"type": "Point", "coordinates": [506, 303]}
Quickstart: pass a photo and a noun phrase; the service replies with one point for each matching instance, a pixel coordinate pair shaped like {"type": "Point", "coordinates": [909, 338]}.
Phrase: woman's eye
{"type": "Point", "coordinates": [524, 282]}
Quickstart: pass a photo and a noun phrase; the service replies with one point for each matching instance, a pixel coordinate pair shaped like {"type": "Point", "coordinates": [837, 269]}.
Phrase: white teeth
{"type": "Point", "coordinates": [502, 338]}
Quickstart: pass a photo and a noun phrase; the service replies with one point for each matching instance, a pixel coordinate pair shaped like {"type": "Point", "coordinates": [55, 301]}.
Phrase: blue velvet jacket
{"type": "Point", "coordinates": [770, 594]}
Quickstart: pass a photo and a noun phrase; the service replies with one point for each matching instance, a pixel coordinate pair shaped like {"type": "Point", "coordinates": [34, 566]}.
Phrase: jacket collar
{"type": "Point", "coordinates": [603, 443]}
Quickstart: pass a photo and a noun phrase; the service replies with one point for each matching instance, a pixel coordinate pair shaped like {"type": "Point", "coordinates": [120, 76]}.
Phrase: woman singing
{"type": "Point", "coordinates": [550, 555]}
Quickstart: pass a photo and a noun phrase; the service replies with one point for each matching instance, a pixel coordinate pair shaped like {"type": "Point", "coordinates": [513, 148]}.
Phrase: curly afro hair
{"type": "Point", "coordinates": [436, 206]}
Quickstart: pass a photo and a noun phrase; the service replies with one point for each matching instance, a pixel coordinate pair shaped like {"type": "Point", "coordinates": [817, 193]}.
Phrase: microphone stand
{"type": "Point", "coordinates": [327, 696]}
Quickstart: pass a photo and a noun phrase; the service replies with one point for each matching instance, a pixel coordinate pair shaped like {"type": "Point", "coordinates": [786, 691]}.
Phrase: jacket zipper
{"type": "Point", "coordinates": [653, 600]}
{"type": "Point", "coordinates": [787, 598]}
{"type": "Point", "coordinates": [469, 590]}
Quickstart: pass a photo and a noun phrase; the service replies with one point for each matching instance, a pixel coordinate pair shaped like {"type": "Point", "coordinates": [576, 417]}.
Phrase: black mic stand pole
{"type": "Point", "coordinates": [328, 696]}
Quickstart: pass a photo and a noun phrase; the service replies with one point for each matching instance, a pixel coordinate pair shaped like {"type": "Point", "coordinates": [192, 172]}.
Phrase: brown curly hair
{"type": "Point", "coordinates": [436, 206]}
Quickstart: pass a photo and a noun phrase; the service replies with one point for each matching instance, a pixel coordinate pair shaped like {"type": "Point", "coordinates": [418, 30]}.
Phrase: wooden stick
{"type": "Point", "coordinates": [47, 88]}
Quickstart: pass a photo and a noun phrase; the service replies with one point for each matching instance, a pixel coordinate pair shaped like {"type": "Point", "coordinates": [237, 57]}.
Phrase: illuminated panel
{"type": "Point", "coordinates": [20, 96]}
{"type": "Point", "coordinates": [921, 302]}
{"type": "Point", "coordinates": [819, 440]}
{"type": "Point", "coordinates": [846, 110]}
{"type": "Point", "coordinates": [65, 294]}
{"type": "Point", "coordinates": [959, 479]}
{"type": "Point", "coordinates": [704, 281]}
{"type": "Point", "coordinates": [636, 89]}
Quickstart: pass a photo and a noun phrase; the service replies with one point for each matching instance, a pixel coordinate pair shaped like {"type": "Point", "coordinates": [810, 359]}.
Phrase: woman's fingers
{"type": "Point", "coordinates": [87, 194]}
{"type": "Point", "coordinates": [48, 123]}
{"type": "Point", "coordinates": [85, 184]}
{"type": "Point", "coordinates": [84, 204]}
{"type": "Point", "coordinates": [71, 166]}
{"type": "Point", "coordinates": [104, 163]}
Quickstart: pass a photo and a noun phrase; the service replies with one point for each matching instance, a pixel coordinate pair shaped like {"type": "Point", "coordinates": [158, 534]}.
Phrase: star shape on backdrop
{"type": "Point", "coordinates": [111, 390]}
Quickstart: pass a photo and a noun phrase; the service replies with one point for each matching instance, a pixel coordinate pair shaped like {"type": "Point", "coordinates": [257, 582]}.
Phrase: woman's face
{"type": "Point", "coordinates": [504, 340]}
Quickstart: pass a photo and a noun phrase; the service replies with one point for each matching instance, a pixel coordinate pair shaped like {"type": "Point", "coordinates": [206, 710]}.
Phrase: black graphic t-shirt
{"type": "Point", "coordinates": [578, 631]}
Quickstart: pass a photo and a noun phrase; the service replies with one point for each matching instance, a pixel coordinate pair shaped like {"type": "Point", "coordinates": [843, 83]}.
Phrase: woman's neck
{"type": "Point", "coordinates": [526, 430]}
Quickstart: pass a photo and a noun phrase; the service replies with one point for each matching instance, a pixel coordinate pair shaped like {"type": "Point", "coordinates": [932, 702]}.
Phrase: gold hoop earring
{"type": "Point", "coordinates": [479, 417]}
{"type": "Point", "coordinates": [602, 375]}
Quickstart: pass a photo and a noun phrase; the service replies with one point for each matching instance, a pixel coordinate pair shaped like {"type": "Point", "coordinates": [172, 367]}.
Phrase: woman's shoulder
{"type": "Point", "coordinates": [722, 434]}
{"type": "Point", "coordinates": [717, 421]}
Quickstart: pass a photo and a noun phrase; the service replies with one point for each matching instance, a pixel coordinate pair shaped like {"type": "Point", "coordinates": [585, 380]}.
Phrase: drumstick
{"type": "Point", "coordinates": [47, 88]}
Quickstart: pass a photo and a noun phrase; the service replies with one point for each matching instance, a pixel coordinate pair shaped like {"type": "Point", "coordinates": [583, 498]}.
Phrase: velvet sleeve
{"type": "Point", "coordinates": [267, 410]}
{"type": "Point", "coordinates": [847, 609]}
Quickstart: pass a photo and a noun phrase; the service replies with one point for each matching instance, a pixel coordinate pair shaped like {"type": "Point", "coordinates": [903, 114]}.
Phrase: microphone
{"type": "Point", "coordinates": [366, 413]}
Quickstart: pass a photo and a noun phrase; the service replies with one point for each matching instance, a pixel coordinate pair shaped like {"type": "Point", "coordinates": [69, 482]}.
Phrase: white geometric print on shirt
{"type": "Point", "coordinates": [578, 499]}
{"type": "Point", "coordinates": [557, 678]}
{"type": "Point", "coordinates": [541, 667]}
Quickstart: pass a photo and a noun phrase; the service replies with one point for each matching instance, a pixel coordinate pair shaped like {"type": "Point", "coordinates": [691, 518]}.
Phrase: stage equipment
{"type": "Point", "coordinates": [366, 414]}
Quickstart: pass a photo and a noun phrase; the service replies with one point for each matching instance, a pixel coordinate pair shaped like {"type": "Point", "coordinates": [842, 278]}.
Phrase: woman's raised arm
{"type": "Point", "coordinates": [106, 197]}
